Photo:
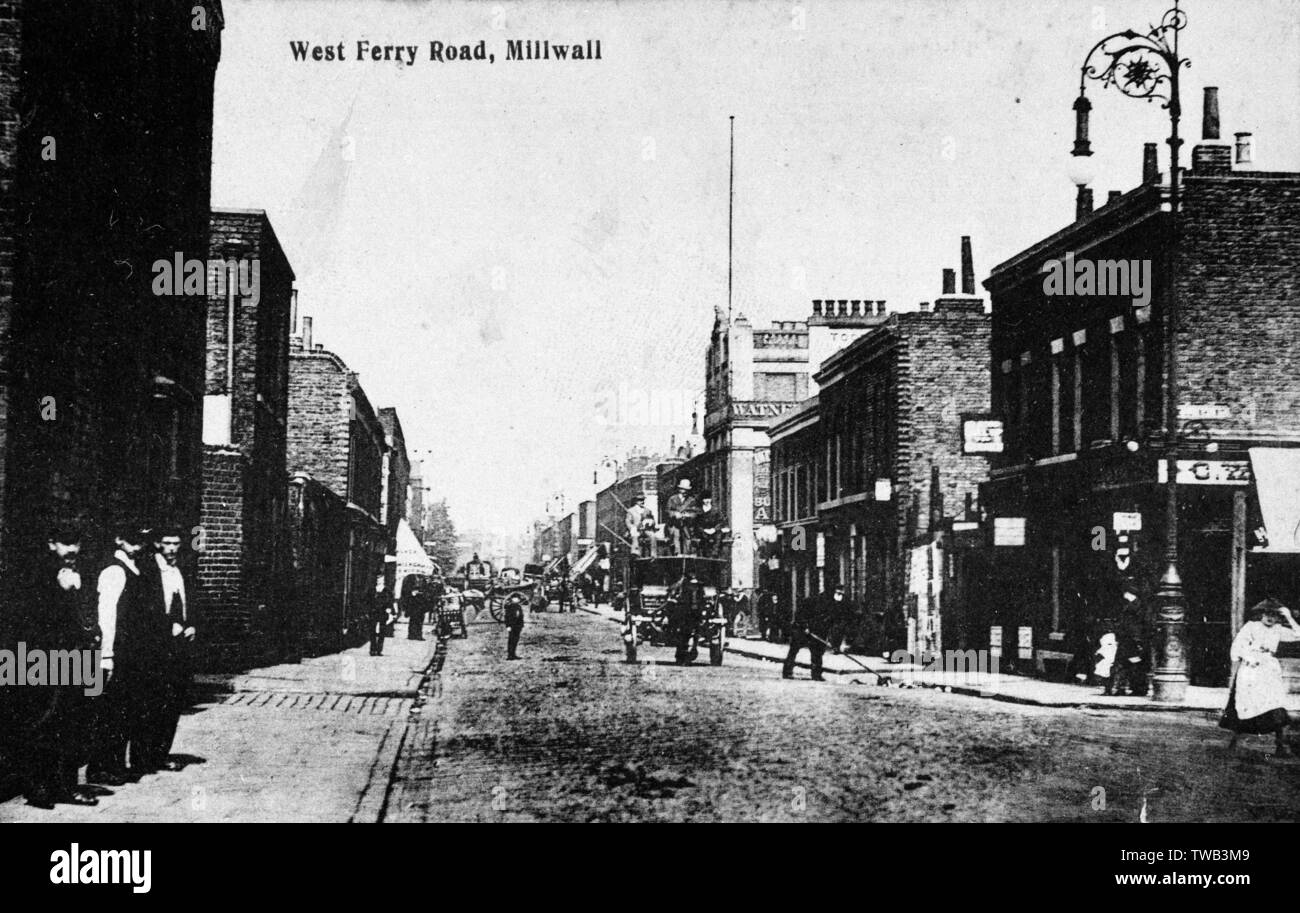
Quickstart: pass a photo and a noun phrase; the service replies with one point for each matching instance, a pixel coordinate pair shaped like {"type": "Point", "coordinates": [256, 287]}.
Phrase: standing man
{"type": "Point", "coordinates": [514, 622]}
{"type": "Point", "coordinates": [815, 620]}
{"type": "Point", "coordinates": [133, 652]}
{"type": "Point", "coordinates": [57, 615]}
{"type": "Point", "coordinates": [640, 524]}
{"type": "Point", "coordinates": [682, 511]}
{"type": "Point", "coordinates": [168, 595]}
{"type": "Point", "coordinates": [417, 604]}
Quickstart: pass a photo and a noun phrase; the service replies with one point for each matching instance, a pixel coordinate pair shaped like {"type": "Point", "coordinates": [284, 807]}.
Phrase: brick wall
{"type": "Point", "coordinates": [252, 607]}
{"type": "Point", "coordinates": [1240, 300]}
{"type": "Point", "coordinates": [226, 613]}
{"type": "Point", "coordinates": [128, 185]}
{"type": "Point", "coordinates": [319, 405]}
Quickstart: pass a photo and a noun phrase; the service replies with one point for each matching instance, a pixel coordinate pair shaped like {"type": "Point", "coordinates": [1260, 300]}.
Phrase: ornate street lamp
{"type": "Point", "coordinates": [1147, 66]}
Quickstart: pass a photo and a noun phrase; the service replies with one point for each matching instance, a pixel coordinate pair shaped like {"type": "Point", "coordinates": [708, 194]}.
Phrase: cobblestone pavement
{"type": "Point", "coordinates": [573, 733]}
{"type": "Point", "coordinates": [303, 742]}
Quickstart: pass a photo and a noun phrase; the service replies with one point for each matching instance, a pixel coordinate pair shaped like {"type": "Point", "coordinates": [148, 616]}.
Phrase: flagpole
{"type": "Point", "coordinates": [731, 206]}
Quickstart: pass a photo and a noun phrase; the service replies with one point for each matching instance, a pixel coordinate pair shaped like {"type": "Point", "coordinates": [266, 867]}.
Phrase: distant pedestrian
{"type": "Point", "coordinates": [379, 617]}
{"type": "Point", "coordinates": [416, 602]}
{"type": "Point", "coordinates": [514, 620]}
{"type": "Point", "coordinates": [1257, 693]}
{"type": "Point", "coordinates": [1129, 670]}
{"type": "Point", "coordinates": [815, 621]}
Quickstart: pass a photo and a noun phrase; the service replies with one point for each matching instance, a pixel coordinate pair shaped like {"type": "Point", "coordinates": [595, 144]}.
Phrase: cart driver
{"type": "Point", "coordinates": [476, 567]}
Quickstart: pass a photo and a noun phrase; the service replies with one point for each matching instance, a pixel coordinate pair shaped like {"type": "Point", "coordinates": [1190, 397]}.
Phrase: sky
{"type": "Point", "coordinates": [507, 251]}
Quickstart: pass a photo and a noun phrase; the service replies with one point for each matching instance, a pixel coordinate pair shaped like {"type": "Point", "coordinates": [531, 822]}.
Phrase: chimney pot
{"type": "Point", "coordinates": [1210, 118]}
{"type": "Point", "coordinates": [1150, 164]}
{"type": "Point", "coordinates": [950, 282]}
{"type": "Point", "coordinates": [1083, 203]}
{"type": "Point", "coordinates": [1245, 148]}
{"type": "Point", "coordinates": [925, 306]}
{"type": "Point", "coordinates": [306, 334]}
{"type": "Point", "coordinates": [817, 307]}
{"type": "Point", "coordinates": [880, 308]}
{"type": "Point", "coordinates": [856, 304]}
{"type": "Point", "coordinates": [967, 267]}
{"type": "Point", "coordinates": [844, 307]}
{"type": "Point", "coordinates": [1113, 195]}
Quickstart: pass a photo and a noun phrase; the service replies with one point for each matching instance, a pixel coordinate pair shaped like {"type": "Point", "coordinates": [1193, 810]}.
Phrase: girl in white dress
{"type": "Point", "coordinates": [1257, 698]}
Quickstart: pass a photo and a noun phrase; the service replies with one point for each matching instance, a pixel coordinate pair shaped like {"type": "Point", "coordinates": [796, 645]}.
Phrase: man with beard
{"type": "Point", "coordinates": [56, 617]}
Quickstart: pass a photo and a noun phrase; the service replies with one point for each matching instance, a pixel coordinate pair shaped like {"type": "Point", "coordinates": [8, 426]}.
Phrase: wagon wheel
{"type": "Point", "coordinates": [496, 605]}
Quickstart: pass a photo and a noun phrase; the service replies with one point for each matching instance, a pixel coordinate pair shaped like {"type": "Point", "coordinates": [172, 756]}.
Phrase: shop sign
{"type": "Point", "coordinates": [1126, 522]}
{"type": "Point", "coordinates": [1009, 531]}
{"type": "Point", "coordinates": [980, 434]}
{"type": "Point", "coordinates": [1207, 472]}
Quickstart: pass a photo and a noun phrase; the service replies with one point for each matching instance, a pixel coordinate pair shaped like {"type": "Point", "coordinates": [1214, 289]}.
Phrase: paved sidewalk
{"type": "Point", "coordinates": [1017, 689]}
{"type": "Point", "coordinates": [309, 741]}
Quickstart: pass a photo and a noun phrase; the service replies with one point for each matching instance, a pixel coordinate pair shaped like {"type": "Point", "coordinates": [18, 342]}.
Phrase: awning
{"type": "Point", "coordinates": [411, 557]}
{"type": "Point", "coordinates": [1277, 481]}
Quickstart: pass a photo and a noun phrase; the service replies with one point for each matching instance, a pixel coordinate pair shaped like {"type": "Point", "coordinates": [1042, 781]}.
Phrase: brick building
{"type": "Point", "coordinates": [751, 376]}
{"type": "Point", "coordinates": [892, 474]}
{"type": "Point", "coordinates": [415, 500]}
{"type": "Point", "coordinates": [396, 475]}
{"type": "Point", "coordinates": [104, 170]}
{"type": "Point", "coordinates": [797, 455]}
{"type": "Point", "coordinates": [244, 564]}
{"type": "Point", "coordinates": [337, 442]}
{"type": "Point", "coordinates": [1078, 381]}
{"type": "Point", "coordinates": [884, 464]}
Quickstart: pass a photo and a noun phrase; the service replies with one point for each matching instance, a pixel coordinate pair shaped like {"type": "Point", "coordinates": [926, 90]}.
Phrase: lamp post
{"type": "Point", "coordinates": [1147, 66]}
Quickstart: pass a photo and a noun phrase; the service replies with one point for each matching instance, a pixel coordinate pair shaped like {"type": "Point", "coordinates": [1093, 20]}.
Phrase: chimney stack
{"type": "Point", "coordinates": [1083, 203]}
{"type": "Point", "coordinates": [967, 267]}
{"type": "Point", "coordinates": [306, 334]}
{"type": "Point", "coordinates": [949, 282]}
{"type": "Point", "coordinates": [1150, 164]}
{"type": "Point", "coordinates": [1210, 115]}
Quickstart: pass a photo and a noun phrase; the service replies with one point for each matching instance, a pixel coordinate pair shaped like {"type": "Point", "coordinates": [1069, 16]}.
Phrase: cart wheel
{"type": "Point", "coordinates": [496, 605]}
